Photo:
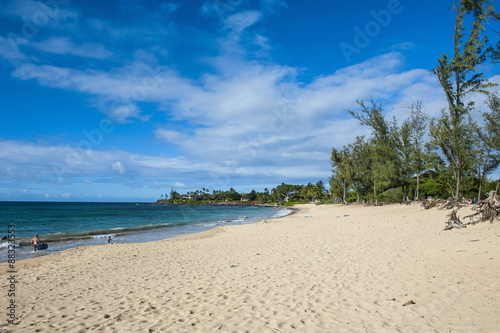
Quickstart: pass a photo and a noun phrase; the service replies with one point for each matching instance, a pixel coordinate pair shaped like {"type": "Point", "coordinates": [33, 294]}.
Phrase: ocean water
{"type": "Point", "coordinates": [63, 225]}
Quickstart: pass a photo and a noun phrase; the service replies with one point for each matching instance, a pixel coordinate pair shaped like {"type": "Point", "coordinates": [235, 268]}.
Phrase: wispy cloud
{"type": "Point", "coordinates": [39, 14]}
{"type": "Point", "coordinates": [240, 21]}
{"type": "Point", "coordinates": [259, 122]}
{"type": "Point", "coordinates": [272, 7]}
{"type": "Point", "coordinates": [63, 46]}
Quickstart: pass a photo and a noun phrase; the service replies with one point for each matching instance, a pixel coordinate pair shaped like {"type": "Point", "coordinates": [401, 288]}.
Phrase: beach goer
{"type": "Point", "coordinates": [110, 241]}
{"type": "Point", "coordinates": [35, 241]}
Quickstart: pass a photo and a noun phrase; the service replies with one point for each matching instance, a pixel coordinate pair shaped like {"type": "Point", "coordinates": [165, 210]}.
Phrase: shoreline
{"type": "Point", "coordinates": [189, 235]}
{"type": "Point", "coordinates": [140, 233]}
{"type": "Point", "coordinates": [322, 269]}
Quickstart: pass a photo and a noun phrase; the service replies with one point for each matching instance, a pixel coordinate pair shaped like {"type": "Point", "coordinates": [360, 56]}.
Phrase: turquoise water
{"type": "Point", "coordinates": [64, 225]}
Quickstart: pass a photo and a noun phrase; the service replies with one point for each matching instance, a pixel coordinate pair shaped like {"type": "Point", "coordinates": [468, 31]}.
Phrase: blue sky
{"type": "Point", "coordinates": [124, 100]}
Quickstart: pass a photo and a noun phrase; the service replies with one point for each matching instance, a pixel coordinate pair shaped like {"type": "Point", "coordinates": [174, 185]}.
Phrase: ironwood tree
{"type": "Point", "coordinates": [459, 78]}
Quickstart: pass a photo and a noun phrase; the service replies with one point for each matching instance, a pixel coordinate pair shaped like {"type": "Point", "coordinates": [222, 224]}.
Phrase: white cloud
{"type": "Point", "coordinates": [30, 162]}
{"type": "Point", "coordinates": [118, 167]}
{"type": "Point", "coordinates": [123, 113]}
{"type": "Point", "coordinates": [63, 45]}
{"type": "Point", "coordinates": [262, 108]}
{"type": "Point", "coordinates": [258, 118]}
{"type": "Point", "coordinates": [117, 91]}
{"type": "Point", "coordinates": [240, 21]}
{"type": "Point", "coordinates": [255, 116]}
{"type": "Point", "coordinates": [171, 136]}
{"type": "Point", "coordinates": [403, 46]}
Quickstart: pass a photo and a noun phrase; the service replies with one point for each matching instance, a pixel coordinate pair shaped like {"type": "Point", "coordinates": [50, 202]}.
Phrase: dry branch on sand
{"type": "Point", "coordinates": [454, 221]}
{"type": "Point", "coordinates": [450, 203]}
{"type": "Point", "coordinates": [486, 210]}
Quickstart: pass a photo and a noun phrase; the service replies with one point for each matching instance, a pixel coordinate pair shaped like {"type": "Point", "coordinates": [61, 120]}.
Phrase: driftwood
{"type": "Point", "coordinates": [450, 203]}
{"type": "Point", "coordinates": [430, 203]}
{"type": "Point", "coordinates": [486, 210]}
{"type": "Point", "coordinates": [454, 221]}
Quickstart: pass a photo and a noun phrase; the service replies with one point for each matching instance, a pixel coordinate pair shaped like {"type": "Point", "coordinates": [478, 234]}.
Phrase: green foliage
{"type": "Point", "coordinates": [492, 123]}
{"type": "Point", "coordinates": [488, 142]}
{"type": "Point", "coordinates": [281, 195]}
{"type": "Point", "coordinates": [459, 79]}
{"type": "Point", "coordinates": [433, 187]}
{"type": "Point", "coordinates": [285, 192]}
{"type": "Point", "coordinates": [263, 198]}
{"type": "Point", "coordinates": [352, 170]}
{"type": "Point", "coordinates": [414, 150]}
{"type": "Point", "coordinates": [470, 186]}
{"type": "Point", "coordinates": [391, 195]}
{"type": "Point", "coordinates": [252, 196]}
{"type": "Point", "coordinates": [385, 166]}
{"type": "Point", "coordinates": [336, 187]}
{"type": "Point", "coordinates": [327, 201]}
{"type": "Point", "coordinates": [490, 186]}
{"type": "Point", "coordinates": [232, 195]}
{"type": "Point", "coordinates": [312, 192]}
{"type": "Point", "coordinates": [174, 195]}
{"type": "Point", "coordinates": [351, 197]}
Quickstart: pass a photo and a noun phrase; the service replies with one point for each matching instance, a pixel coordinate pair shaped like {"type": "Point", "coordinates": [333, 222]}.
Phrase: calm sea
{"type": "Point", "coordinates": [64, 225]}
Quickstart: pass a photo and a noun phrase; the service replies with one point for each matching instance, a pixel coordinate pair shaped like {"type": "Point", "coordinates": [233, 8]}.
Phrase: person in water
{"type": "Point", "coordinates": [110, 241]}
{"type": "Point", "coordinates": [35, 241]}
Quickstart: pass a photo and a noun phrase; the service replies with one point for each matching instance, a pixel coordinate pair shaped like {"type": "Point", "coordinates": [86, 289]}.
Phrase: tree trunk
{"type": "Point", "coordinates": [417, 189]}
{"type": "Point", "coordinates": [459, 185]}
{"type": "Point", "coordinates": [479, 192]}
{"type": "Point", "coordinates": [344, 201]}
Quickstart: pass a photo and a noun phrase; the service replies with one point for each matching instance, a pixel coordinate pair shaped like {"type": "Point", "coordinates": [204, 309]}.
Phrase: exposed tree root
{"type": "Point", "coordinates": [450, 203]}
{"type": "Point", "coordinates": [486, 210]}
{"type": "Point", "coordinates": [454, 221]}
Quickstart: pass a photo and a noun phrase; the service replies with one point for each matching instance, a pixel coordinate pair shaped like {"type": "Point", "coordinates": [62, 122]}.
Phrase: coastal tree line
{"type": "Point", "coordinates": [448, 156]}
{"type": "Point", "coordinates": [283, 194]}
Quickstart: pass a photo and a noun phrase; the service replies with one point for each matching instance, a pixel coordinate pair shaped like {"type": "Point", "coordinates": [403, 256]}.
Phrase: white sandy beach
{"type": "Point", "coordinates": [323, 269]}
